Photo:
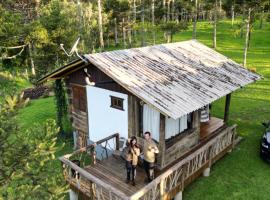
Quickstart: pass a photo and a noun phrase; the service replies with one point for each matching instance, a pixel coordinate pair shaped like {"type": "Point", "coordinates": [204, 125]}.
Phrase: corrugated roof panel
{"type": "Point", "coordinates": [176, 78]}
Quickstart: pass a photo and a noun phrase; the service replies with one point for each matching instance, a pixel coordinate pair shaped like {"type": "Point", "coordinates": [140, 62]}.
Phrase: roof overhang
{"type": "Point", "coordinates": [63, 71]}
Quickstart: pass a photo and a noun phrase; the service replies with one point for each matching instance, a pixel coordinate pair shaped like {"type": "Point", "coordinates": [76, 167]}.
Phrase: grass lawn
{"type": "Point", "coordinates": [241, 174]}
{"type": "Point", "coordinates": [37, 112]}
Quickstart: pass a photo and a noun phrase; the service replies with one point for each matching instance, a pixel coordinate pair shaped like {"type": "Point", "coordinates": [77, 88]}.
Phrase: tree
{"type": "Point", "coordinates": [61, 103]}
{"type": "Point", "coordinates": [153, 19]}
{"type": "Point", "coordinates": [101, 42]}
{"type": "Point", "coordinates": [215, 26]}
{"type": "Point", "coordinates": [27, 170]}
{"type": "Point", "coordinates": [195, 20]}
{"type": "Point", "coordinates": [247, 38]}
{"type": "Point", "coordinates": [171, 28]}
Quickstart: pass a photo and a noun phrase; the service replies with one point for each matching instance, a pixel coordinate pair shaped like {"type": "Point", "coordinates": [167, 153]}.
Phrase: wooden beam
{"type": "Point", "coordinates": [117, 141]}
{"type": "Point", "coordinates": [130, 115]}
{"type": "Point", "coordinates": [196, 119]}
{"type": "Point", "coordinates": [162, 145]}
{"type": "Point", "coordinates": [227, 108]}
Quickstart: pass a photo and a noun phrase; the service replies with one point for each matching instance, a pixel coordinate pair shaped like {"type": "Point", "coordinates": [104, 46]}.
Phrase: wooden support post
{"type": "Point", "coordinates": [179, 196]}
{"type": "Point", "coordinates": [117, 141]}
{"type": "Point", "coordinates": [162, 147]}
{"type": "Point", "coordinates": [206, 172]}
{"type": "Point", "coordinates": [73, 195]}
{"type": "Point", "coordinates": [227, 108]}
{"type": "Point", "coordinates": [130, 116]}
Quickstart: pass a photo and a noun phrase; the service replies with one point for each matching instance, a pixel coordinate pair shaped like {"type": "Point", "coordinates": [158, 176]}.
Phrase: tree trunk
{"type": "Point", "coordinates": [177, 17]}
{"type": "Point", "coordinates": [215, 27]}
{"type": "Point", "coordinates": [124, 32]}
{"type": "Point", "coordinates": [129, 32]}
{"type": "Point", "coordinates": [164, 10]}
{"type": "Point", "coordinates": [168, 10]}
{"type": "Point", "coordinates": [168, 36]}
{"type": "Point", "coordinates": [153, 20]}
{"type": "Point", "coordinates": [30, 46]}
{"type": "Point", "coordinates": [80, 23]}
{"type": "Point", "coordinates": [134, 18]}
{"type": "Point", "coordinates": [142, 27]}
{"type": "Point", "coordinates": [101, 41]}
{"type": "Point", "coordinates": [220, 6]}
{"type": "Point", "coordinates": [195, 21]}
{"type": "Point", "coordinates": [134, 11]}
{"type": "Point", "coordinates": [37, 8]}
{"type": "Point", "coordinates": [173, 10]}
{"type": "Point", "coordinates": [232, 14]}
{"type": "Point", "coordinates": [115, 33]}
{"type": "Point", "coordinates": [261, 19]}
{"type": "Point", "coordinates": [246, 41]}
{"type": "Point", "coordinates": [243, 21]}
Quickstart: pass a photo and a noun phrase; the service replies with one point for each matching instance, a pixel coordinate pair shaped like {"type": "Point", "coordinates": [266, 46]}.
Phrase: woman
{"type": "Point", "coordinates": [133, 153]}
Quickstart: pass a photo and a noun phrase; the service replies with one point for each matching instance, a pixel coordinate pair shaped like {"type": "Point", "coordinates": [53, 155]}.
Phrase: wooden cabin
{"type": "Point", "coordinates": [166, 89]}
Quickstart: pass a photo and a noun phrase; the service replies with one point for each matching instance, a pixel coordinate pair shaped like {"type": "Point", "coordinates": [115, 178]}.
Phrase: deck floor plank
{"type": "Point", "coordinates": [211, 126]}
{"type": "Point", "coordinates": [113, 171]}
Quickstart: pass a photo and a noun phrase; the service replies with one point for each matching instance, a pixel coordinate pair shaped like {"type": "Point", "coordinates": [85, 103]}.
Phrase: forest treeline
{"type": "Point", "coordinates": [31, 31]}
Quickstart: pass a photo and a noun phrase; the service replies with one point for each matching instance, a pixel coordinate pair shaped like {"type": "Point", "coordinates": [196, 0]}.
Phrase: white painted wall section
{"type": "Point", "coordinates": [103, 120]}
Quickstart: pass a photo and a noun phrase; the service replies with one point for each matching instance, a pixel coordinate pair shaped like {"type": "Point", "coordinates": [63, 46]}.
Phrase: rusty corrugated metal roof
{"type": "Point", "coordinates": [175, 78]}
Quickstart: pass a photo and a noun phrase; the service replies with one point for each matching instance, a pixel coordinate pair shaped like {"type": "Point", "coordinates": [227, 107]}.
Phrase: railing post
{"type": "Point", "coordinates": [233, 136]}
{"type": "Point", "coordinates": [93, 149]}
{"type": "Point", "coordinates": [117, 141]}
{"type": "Point", "coordinates": [161, 189]}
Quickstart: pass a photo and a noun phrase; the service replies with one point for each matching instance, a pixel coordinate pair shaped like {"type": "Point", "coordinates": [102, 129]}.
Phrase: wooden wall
{"type": "Point", "coordinates": [182, 145]}
{"type": "Point", "coordinates": [79, 118]}
{"type": "Point", "coordinates": [134, 116]}
{"type": "Point", "coordinates": [97, 76]}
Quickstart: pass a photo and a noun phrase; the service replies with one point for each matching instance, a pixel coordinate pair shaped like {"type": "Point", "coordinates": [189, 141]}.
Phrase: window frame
{"type": "Point", "coordinates": [190, 129]}
{"type": "Point", "coordinates": [117, 103]}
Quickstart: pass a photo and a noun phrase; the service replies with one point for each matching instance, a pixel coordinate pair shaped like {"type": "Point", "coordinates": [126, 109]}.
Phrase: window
{"type": "Point", "coordinates": [79, 98]}
{"type": "Point", "coordinates": [178, 126]}
{"type": "Point", "coordinates": [117, 103]}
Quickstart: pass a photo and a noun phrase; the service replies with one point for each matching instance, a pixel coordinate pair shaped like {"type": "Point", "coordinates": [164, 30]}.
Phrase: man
{"type": "Point", "coordinates": [149, 150]}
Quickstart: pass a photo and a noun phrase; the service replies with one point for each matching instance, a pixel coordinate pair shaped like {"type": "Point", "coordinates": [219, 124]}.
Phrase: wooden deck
{"type": "Point", "coordinates": [113, 171]}
{"type": "Point", "coordinates": [208, 128]}
{"type": "Point", "coordinates": [105, 180]}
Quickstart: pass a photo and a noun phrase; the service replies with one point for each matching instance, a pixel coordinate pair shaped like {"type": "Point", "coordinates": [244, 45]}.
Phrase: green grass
{"type": "Point", "coordinates": [37, 112]}
{"type": "Point", "coordinates": [241, 174]}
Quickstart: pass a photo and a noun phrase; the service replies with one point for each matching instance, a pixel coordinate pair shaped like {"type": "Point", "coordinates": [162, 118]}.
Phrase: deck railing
{"type": "Point", "coordinates": [173, 179]}
{"type": "Point", "coordinates": [175, 176]}
{"type": "Point", "coordinates": [82, 180]}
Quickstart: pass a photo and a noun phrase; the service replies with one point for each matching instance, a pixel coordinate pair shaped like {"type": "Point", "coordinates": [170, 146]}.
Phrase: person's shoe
{"type": "Point", "coordinates": [127, 181]}
{"type": "Point", "coordinates": [133, 183]}
{"type": "Point", "coordinates": [146, 181]}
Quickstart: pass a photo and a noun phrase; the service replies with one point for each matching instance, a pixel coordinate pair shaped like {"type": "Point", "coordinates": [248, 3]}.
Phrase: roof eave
{"type": "Point", "coordinates": [55, 74]}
